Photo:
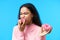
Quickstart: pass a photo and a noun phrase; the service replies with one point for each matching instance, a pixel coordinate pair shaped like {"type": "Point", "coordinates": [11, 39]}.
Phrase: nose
{"type": "Point", "coordinates": [23, 16]}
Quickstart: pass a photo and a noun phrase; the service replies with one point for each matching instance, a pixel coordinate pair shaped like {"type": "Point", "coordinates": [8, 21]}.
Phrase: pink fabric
{"type": "Point", "coordinates": [30, 33]}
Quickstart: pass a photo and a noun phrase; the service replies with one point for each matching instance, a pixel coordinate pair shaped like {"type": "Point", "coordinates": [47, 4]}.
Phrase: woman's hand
{"type": "Point", "coordinates": [21, 24]}
{"type": "Point", "coordinates": [45, 29]}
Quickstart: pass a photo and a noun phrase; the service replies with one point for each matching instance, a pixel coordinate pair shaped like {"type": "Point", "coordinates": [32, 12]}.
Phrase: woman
{"type": "Point", "coordinates": [29, 25]}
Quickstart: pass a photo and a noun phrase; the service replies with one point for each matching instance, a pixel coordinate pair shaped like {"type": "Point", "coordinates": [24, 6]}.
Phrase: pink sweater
{"type": "Point", "coordinates": [30, 33]}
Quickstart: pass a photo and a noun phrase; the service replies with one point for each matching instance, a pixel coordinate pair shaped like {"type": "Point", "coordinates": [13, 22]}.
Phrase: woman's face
{"type": "Point", "coordinates": [26, 14]}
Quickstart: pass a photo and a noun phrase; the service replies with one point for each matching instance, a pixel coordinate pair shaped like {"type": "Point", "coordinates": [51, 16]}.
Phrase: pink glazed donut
{"type": "Point", "coordinates": [22, 20]}
{"type": "Point", "coordinates": [47, 27]}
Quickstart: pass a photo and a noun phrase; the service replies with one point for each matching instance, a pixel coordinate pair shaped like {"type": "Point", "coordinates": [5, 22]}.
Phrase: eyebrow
{"type": "Point", "coordinates": [24, 12]}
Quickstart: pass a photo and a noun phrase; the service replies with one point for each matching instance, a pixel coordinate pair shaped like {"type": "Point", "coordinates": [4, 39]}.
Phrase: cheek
{"type": "Point", "coordinates": [28, 17]}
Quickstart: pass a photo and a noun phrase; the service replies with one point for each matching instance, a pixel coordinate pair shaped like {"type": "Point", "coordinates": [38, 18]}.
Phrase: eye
{"type": "Point", "coordinates": [26, 13]}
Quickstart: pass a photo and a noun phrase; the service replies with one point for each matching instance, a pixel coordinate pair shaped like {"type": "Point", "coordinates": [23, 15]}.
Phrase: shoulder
{"type": "Point", "coordinates": [15, 28]}
{"type": "Point", "coordinates": [45, 26]}
{"type": "Point", "coordinates": [36, 27]}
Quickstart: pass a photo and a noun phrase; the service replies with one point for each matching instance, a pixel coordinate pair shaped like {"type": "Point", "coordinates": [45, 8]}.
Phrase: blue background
{"type": "Point", "coordinates": [49, 11]}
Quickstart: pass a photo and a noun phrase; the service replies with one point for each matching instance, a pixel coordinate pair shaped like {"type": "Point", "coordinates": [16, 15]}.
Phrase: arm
{"type": "Point", "coordinates": [17, 35]}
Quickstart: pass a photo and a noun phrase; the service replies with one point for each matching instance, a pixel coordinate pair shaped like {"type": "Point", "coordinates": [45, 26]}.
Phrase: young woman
{"type": "Point", "coordinates": [29, 25]}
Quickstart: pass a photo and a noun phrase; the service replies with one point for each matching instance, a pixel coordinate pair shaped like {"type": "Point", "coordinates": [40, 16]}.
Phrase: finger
{"type": "Point", "coordinates": [23, 24]}
{"type": "Point", "coordinates": [19, 21]}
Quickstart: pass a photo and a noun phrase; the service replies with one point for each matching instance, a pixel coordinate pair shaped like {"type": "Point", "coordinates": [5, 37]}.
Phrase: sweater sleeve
{"type": "Point", "coordinates": [17, 34]}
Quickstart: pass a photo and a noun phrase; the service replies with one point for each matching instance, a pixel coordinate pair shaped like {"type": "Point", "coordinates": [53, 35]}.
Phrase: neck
{"type": "Point", "coordinates": [29, 23]}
